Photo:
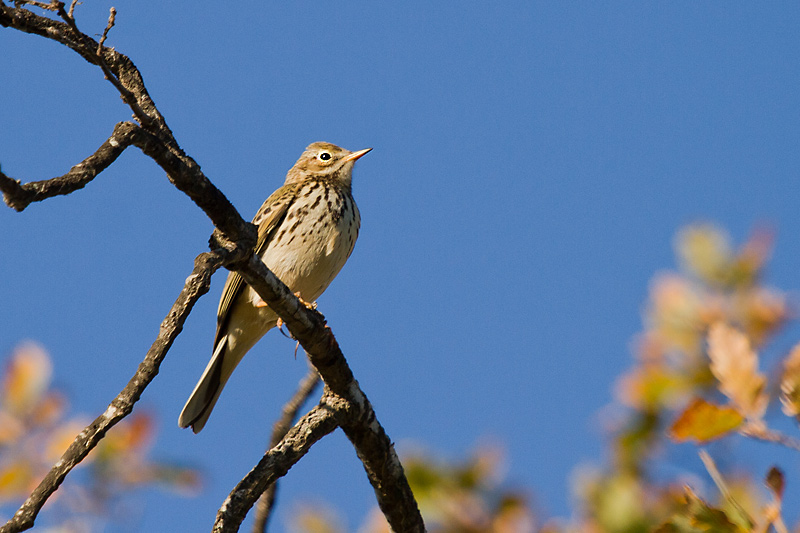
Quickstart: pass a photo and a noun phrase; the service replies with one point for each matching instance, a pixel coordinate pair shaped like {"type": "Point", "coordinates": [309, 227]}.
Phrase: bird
{"type": "Point", "coordinates": [306, 232]}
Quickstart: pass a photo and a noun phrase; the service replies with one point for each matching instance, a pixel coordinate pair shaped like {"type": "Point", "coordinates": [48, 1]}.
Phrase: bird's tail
{"type": "Point", "coordinates": [206, 393]}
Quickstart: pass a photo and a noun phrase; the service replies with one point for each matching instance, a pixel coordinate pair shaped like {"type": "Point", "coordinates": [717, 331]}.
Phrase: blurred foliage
{"type": "Point", "coordinates": [695, 379]}
{"type": "Point", "coordinates": [35, 431]}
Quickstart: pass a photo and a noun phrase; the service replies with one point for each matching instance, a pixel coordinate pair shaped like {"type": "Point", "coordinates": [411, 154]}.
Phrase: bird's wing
{"type": "Point", "coordinates": [268, 218]}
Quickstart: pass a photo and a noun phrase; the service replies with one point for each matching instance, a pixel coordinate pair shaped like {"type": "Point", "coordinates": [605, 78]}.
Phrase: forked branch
{"type": "Point", "coordinates": [343, 404]}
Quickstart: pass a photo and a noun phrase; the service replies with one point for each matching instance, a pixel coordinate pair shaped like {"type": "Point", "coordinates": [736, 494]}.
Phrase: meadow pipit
{"type": "Point", "coordinates": [306, 232]}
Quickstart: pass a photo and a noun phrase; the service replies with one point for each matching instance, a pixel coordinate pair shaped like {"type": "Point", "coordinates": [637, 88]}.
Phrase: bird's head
{"type": "Point", "coordinates": [325, 161]}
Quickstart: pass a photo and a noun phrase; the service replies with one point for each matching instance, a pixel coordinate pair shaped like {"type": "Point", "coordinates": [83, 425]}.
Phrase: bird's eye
{"type": "Point", "coordinates": [324, 156]}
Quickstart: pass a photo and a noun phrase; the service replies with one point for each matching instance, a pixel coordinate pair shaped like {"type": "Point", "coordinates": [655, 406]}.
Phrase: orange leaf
{"type": "Point", "coordinates": [702, 421]}
{"type": "Point", "coordinates": [735, 365]}
{"type": "Point", "coordinates": [27, 377]}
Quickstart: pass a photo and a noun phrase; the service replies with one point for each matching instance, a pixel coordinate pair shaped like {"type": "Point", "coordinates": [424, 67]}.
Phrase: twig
{"type": "Point", "coordinates": [111, 17]}
{"type": "Point", "coordinates": [116, 67]}
{"type": "Point", "coordinates": [52, 6]}
{"type": "Point", "coordinates": [288, 414]}
{"type": "Point", "coordinates": [196, 285]}
{"type": "Point", "coordinates": [719, 481]}
{"type": "Point", "coordinates": [761, 432]}
{"type": "Point", "coordinates": [67, 17]}
{"type": "Point", "coordinates": [71, 13]}
{"type": "Point", "coordinates": [18, 196]}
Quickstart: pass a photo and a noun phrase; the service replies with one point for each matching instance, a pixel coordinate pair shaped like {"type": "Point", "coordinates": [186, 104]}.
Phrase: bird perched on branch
{"type": "Point", "coordinates": [306, 231]}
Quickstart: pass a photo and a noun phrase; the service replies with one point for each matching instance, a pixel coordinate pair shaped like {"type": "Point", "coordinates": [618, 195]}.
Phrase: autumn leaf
{"type": "Point", "coordinates": [702, 421]}
{"type": "Point", "coordinates": [775, 481]}
{"type": "Point", "coordinates": [735, 365]}
{"type": "Point", "coordinates": [705, 250]}
{"type": "Point", "coordinates": [790, 383]}
{"type": "Point", "coordinates": [26, 379]}
{"type": "Point", "coordinates": [697, 516]}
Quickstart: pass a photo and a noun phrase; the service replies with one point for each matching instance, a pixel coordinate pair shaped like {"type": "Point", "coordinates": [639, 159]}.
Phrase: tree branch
{"type": "Point", "coordinates": [288, 414]}
{"type": "Point", "coordinates": [117, 68]}
{"type": "Point", "coordinates": [19, 196]}
{"type": "Point", "coordinates": [276, 462]}
{"type": "Point", "coordinates": [232, 245]}
{"type": "Point", "coordinates": [196, 285]}
{"type": "Point", "coordinates": [154, 138]}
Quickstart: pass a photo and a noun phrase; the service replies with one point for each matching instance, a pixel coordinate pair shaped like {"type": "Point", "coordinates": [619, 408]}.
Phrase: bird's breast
{"type": "Point", "coordinates": [314, 240]}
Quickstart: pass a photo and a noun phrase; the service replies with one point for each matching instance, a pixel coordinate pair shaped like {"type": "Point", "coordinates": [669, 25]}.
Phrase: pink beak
{"type": "Point", "coordinates": [357, 155]}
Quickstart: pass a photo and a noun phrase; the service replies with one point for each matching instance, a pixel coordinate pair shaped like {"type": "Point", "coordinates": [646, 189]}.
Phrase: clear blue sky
{"type": "Point", "coordinates": [532, 162]}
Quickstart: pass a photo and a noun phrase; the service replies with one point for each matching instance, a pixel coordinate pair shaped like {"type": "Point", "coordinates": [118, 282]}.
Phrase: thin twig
{"type": "Point", "coordinates": [761, 432]}
{"type": "Point", "coordinates": [289, 413]}
{"type": "Point", "coordinates": [719, 481]}
{"type": "Point", "coordinates": [71, 13]}
{"type": "Point", "coordinates": [112, 15]}
{"type": "Point", "coordinates": [52, 6]}
{"type": "Point", "coordinates": [67, 17]}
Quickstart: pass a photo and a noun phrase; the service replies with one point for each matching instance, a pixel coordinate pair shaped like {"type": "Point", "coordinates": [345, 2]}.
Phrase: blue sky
{"type": "Point", "coordinates": [532, 162]}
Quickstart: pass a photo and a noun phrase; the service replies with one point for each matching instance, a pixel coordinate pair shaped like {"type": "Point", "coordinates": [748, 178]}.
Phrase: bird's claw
{"type": "Point", "coordinates": [312, 305]}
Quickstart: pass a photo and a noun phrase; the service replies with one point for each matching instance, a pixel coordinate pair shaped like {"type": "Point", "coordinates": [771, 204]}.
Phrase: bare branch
{"type": "Point", "coordinates": [117, 68]}
{"type": "Point", "coordinates": [288, 414]}
{"type": "Point", "coordinates": [158, 142]}
{"type": "Point", "coordinates": [196, 285]}
{"type": "Point", "coordinates": [19, 196]}
{"type": "Point", "coordinates": [111, 18]}
{"type": "Point", "coordinates": [232, 244]}
{"type": "Point", "coordinates": [276, 462]}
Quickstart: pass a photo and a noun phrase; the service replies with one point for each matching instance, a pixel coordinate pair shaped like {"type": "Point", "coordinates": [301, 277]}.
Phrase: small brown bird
{"type": "Point", "coordinates": [306, 231]}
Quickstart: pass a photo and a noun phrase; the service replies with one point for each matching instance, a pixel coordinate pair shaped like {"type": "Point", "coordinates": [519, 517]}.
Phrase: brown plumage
{"type": "Point", "coordinates": [306, 231]}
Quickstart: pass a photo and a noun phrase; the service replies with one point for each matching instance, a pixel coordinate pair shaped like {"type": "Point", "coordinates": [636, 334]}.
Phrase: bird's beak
{"type": "Point", "coordinates": [356, 155]}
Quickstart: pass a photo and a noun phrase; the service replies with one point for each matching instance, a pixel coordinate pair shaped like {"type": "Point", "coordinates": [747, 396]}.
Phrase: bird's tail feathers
{"type": "Point", "coordinates": [206, 393]}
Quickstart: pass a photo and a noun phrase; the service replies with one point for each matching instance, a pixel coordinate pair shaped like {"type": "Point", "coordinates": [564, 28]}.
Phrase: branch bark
{"type": "Point", "coordinates": [18, 196]}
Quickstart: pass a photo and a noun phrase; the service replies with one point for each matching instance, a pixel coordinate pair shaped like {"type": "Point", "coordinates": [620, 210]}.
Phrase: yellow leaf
{"type": "Point", "coordinates": [705, 251]}
{"type": "Point", "coordinates": [702, 421]}
{"type": "Point", "coordinates": [15, 479]}
{"type": "Point", "coordinates": [735, 365]}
